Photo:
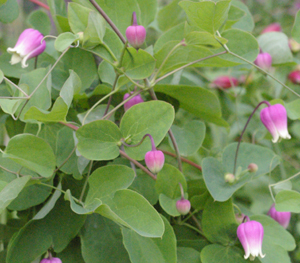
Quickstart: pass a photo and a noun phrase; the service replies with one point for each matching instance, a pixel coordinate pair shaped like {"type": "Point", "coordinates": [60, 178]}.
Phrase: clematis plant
{"type": "Point", "coordinates": [29, 45]}
{"type": "Point", "coordinates": [183, 205]}
{"type": "Point", "coordinates": [135, 34]}
{"type": "Point", "coordinates": [251, 234]}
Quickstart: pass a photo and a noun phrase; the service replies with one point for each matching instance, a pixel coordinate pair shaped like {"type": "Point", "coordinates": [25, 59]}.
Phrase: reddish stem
{"type": "Point", "coordinates": [40, 4]}
{"type": "Point", "coordinates": [182, 159]}
{"type": "Point", "coordinates": [75, 128]}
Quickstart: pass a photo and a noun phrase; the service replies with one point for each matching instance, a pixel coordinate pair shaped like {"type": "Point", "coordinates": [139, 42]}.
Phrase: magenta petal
{"type": "Point", "coordinates": [283, 218]}
{"type": "Point", "coordinates": [155, 161]}
{"type": "Point", "coordinates": [133, 101]}
{"type": "Point", "coordinates": [264, 60]}
{"type": "Point", "coordinates": [279, 117]}
{"type": "Point", "coordinates": [268, 122]}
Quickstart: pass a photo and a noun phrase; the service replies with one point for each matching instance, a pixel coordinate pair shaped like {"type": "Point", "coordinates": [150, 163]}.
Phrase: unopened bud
{"type": "Point", "coordinates": [183, 206]}
{"type": "Point", "coordinates": [294, 45]}
{"type": "Point", "coordinates": [275, 27]}
{"type": "Point", "coordinates": [135, 34]}
{"type": "Point", "coordinates": [133, 101]}
{"type": "Point", "coordinates": [252, 167]}
{"type": "Point", "coordinates": [263, 60]}
{"type": "Point", "coordinates": [224, 82]}
{"type": "Point", "coordinates": [229, 178]}
{"type": "Point", "coordinates": [80, 37]}
{"type": "Point", "coordinates": [155, 160]}
{"type": "Point", "coordinates": [294, 76]}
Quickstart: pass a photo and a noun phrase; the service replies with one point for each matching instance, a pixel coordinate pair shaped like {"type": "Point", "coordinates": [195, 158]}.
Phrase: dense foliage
{"type": "Point", "coordinates": [74, 179]}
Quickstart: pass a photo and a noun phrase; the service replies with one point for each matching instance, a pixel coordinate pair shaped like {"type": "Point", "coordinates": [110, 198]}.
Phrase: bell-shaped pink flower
{"type": "Point", "coordinates": [135, 34]}
{"type": "Point", "coordinates": [294, 76]}
{"type": "Point", "coordinates": [263, 60]}
{"type": "Point", "coordinates": [29, 45]}
{"type": "Point", "coordinates": [183, 205]}
{"type": "Point", "coordinates": [275, 27]}
{"type": "Point", "coordinates": [283, 218]}
{"type": "Point", "coordinates": [251, 236]}
{"type": "Point", "coordinates": [51, 260]}
{"type": "Point", "coordinates": [155, 160]}
{"type": "Point", "coordinates": [135, 100]}
{"type": "Point", "coordinates": [274, 118]}
{"type": "Point", "coordinates": [224, 82]}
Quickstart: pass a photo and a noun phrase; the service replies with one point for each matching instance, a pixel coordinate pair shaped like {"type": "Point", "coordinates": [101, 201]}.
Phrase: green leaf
{"type": "Point", "coordinates": [57, 229]}
{"type": "Point", "coordinates": [214, 171]}
{"type": "Point", "coordinates": [59, 12]}
{"type": "Point", "coordinates": [95, 31]}
{"type": "Point", "coordinates": [11, 190]}
{"type": "Point", "coordinates": [78, 17]}
{"type": "Point", "coordinates": [31, 152]}
{"type": "Point", "coordinates": [146, 250]}
{"type": "Point", "coordinates": [40, 21]}
{"type": "Point", "coordinates": [9, 11]}
{"type": "Point", "coordinates": [132, 210]}
{"type": "Point", "coordinates": [101, 241]}
{"type": "Point", "coordinates": [241, 43]}
{"type": "Point", "coordinates": [207, 15]}
{"type": "Point", "coordinates": [198, 101]}
{"type": "Point", "coordinates": [170, 16]}
{"type": "Point", "coordinates": [81, 210]}
{"type": "Point", "coordinates": [189, 138]}
{"type": "Point", "coordinates": [205, 39]}
{"type": "Point", "coordinates": [234, 15]}
{"type": "Point", "coordinates": [98, 140]}
{"type": "Point", "coordinates": [277, 241]}
{"type": "Point", "coordinates": [153, 117]}
{"type": "Point", "coordinates": [219, 254]}
{"type": "Point", "coordinates": [2, 2]}
{"type": "Point", "coordinates": [296, 28]}
{"type": "Point", "coordinates": [138, 64]}
{"type": "Point", "coordinates": [105, 181]}
{"type": "Point", "coordinates": [276, 44]}
{"type": "Point", "coordinates": [293, 109]}
{"type": "Point", "coordinates": [288, 201]}
{"type": "Point", "coordinates": [64, 40]}
{"type": "Point", "coordinates": [61, 106]}
{"type": "Point", "coordinates": [218, 222]}
{"type": "Point", "coordinates": [96, 114]}
{"type": "Point", "coordinates": [187, 254]}
{"type": "Point", "coordinates": [246, 23]}
{"type": "Point", "coordinates": [41, 98]}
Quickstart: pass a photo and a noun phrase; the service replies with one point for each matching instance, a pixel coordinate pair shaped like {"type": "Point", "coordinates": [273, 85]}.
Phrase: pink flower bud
{"type": "Point", "coordinates": [52, 260]}
{"type": "Point", "coordinates": [224, 82]}
{"type": "Point", "coordinates": [252, 167]}
{"type": "Point", "coordinates": [274, 118]}
{"type": "Point", "coordinates": [263, 60]}
{"type": "Point", "coordinates": [275, 27]}
{"type": "Point", "coordinates": [155, 160]}
{"type": "Point", "coordinates": [183, 206]}
{"type": "Point", "coordinates": [29, 45]}
{"type": "Point", "coordinates": [251, 236]}
{"type": "Point", "coordinates": [135, 34]}
{"type": "Point", "coordinates": [294, 76]}
{"type": "Point", "coordinates": [283, 218]}
{"type": "Point", "coordinates": [135, 100]}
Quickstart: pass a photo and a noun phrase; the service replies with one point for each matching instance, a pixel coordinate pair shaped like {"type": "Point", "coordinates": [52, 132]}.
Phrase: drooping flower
{"type": "Point", "coordinates": [263, 60]}
{"type": "Point", "coordinates": [183, 205]}
{"type": "Point", "coordinates": [283, 218]}
{"type": "Point", "coordinates": [29, 45]}
{"type": "Point", "coordinates": [274, 117]}
{"type": "Point", "coordinates": [251, 236]}
{"type": "Point", "coordinates": [294, 76]}
{"type": "Point", "coordinates": [51, 260]}
{"type": "Point", "coordinates": [135, 34]}
{"type": "Point", "coordinates": [224, 82]}
{"type": "Point", "coordinates": [135, 100]}
{"type": "Point", "coordinates": [275, 27]}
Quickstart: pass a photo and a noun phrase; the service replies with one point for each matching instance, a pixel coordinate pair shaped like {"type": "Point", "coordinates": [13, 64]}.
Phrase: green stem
{"type": "Point", "coordinates": [86, 181]}
{"type": "Point", "coordinates": [237, 208]}
{"type": "Point", "coordinates": [110, 52]}
{"type": "Point", "coordinates": [189, 64]}
{"type": "Point", "coordinates": [65, 161]}
{"type": "Point", "coordinates": [110, 97]}
{"type": "Point", "coordinates": [175, 145]}
{"type": "Point", "coordinates": [16, 86]}
{"type": "Point", "coordinates": [165, 60]}
{"type": "Point", "coordinates": [96, 104]}
{"type": "Point", "coordinates": [134, 82]}
{"type": "Point", "coordinates": [194, 228]}
{"type": "Point", "coordinates": [106, 116]}
{"type": "Point", "coordinates": [189, 216]}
